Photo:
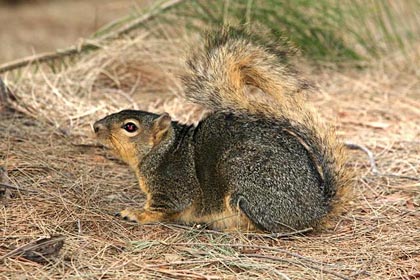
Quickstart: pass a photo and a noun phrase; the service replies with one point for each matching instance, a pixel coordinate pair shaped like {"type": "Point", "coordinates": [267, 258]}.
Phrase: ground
{"type": "Point", "coordinates": [61, 183]}
{"type": "Point", "coordinates": [46, 25]}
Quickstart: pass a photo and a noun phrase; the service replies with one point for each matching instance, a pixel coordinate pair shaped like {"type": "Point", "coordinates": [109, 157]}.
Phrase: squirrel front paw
{"type": "Point", "coordinates": [129, 215]}
{"type": "Point", "coordinates": [141, 216]}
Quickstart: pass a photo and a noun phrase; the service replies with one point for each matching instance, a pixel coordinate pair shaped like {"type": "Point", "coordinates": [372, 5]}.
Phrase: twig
{"type": "Point", "coordinates": [89, 145]}
{"type": "Point", "coordinates": [200, 228]}
{"type": "Point", "coordinates": [374, 168]}
{"type": "Point", "coordinates": [182, 274]}
{"type": "Point", "coordinates": [89, 44]}
{"type": "Point", "coordinates": [281, 235]}
{"type": "Point", "coordinates": [208, 261]}
{"type": "Point", "coordinates": [16, 188]}
{"type": "Point", "coordinates": [133, 25]}
{"type": "Point", "coordinates": [322, 269]}
{"type": "Point", "coordinates": [194, 262]}
{"type": "Point", "coordinates": [44, 57]}
{"type": "Point", "coordinates": [369, 153]}
{"type": "Point", "coordinates": [303, 258]}
{"type": "Point", "coordinates": [400, 176]}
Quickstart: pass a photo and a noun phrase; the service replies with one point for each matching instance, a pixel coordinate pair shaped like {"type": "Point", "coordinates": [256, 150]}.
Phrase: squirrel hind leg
{"type": "Point", "coordinates": [275, 186]}
{"type": "Point", "coordinates": [261, 216]}
{"type": "Point", "coordinates": [262, 221]}
{"type": "Point", "coordinates": [274, 211]}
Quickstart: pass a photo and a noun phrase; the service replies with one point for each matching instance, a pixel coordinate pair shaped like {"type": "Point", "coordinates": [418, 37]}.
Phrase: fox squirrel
{"type": "Point", "coordinates": [253, 164]}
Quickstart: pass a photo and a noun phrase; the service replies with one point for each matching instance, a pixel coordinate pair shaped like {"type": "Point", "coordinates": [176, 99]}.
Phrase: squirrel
{"type": "Point", "coordinates": [253, 164]}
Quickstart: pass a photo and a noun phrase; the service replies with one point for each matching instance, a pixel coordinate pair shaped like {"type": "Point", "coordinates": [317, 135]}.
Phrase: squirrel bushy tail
{"type": "Point", "coordinates": [219, 78]}
{"type": "Point", "coordinates": [219, 74]}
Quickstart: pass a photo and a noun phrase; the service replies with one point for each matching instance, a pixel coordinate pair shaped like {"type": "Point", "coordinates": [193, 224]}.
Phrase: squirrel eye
{"type": "Point", "coordinates": [130, 127]}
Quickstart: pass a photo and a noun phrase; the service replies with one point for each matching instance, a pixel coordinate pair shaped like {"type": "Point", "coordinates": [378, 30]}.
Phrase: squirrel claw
{"type": "Point", "coordinates": [128, 215]}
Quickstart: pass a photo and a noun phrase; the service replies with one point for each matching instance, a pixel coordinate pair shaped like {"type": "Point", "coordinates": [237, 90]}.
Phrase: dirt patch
{"type": "Point", "coordinates": [30, 27]}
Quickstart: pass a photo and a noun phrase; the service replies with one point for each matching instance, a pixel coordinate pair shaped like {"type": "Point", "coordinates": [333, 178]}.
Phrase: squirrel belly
{"type": "Point", "coordinates": [252, 164]}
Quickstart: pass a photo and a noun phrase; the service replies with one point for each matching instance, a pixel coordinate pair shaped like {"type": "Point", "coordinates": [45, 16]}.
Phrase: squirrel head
{"type": "Point", "coordinates": [133, 134]}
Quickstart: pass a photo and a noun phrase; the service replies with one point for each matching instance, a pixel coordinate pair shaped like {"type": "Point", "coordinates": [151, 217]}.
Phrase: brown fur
{"type": "Point", "coordinates": [252, 164]}
{"type": "Point", "coordinates": [250, 64]}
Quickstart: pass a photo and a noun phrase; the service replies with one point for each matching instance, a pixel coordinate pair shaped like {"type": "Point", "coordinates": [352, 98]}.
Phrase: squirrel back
{"type": "Point", "coordinates": [233, 61]}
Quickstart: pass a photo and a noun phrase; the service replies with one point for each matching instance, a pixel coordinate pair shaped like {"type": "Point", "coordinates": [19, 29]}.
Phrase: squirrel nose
{"type": "Point", "coordinates": [97, 127]}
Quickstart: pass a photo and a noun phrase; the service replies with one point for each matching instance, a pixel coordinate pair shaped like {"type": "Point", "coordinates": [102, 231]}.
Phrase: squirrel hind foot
{"type": "Point", "coordinates": [141, 216]}
{"type": "Point", "coordinates": [129, 215]}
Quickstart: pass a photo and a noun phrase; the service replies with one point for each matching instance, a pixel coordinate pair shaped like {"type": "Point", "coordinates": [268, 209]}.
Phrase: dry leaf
{"type": "Point", "coordinates": [40, 251]}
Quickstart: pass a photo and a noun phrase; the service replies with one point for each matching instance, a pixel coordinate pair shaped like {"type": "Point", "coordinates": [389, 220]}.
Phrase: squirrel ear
{"type": "Point", "coordinates": [160, 128]}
